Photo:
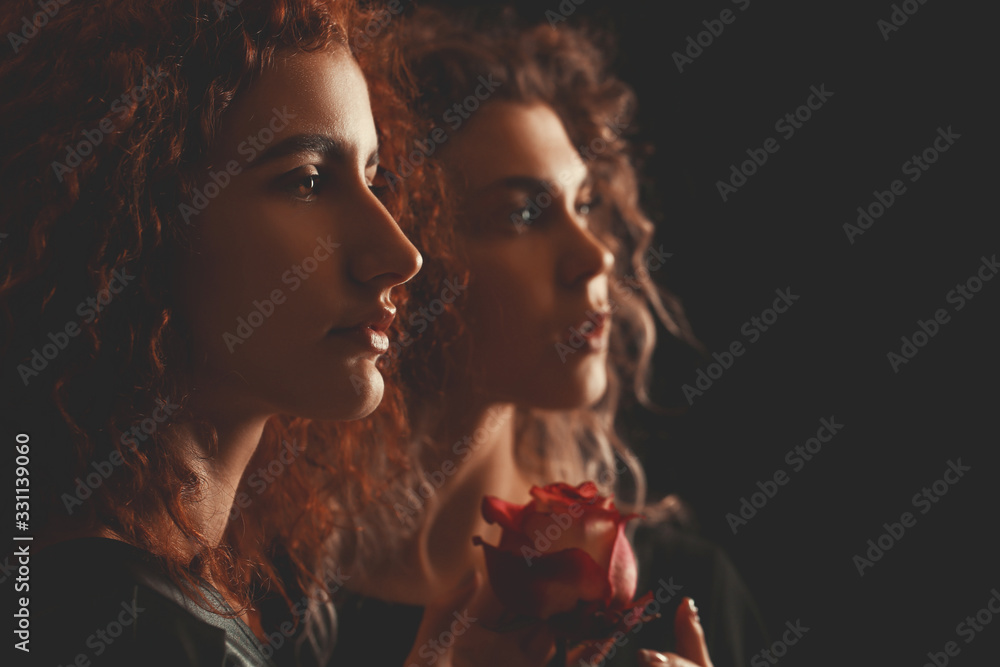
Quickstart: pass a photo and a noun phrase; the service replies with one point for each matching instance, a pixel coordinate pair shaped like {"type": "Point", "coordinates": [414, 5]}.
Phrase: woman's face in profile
{"type": "Point", "coordinates": [287, 290]}
{"type": "Point", "coordinates": [538, 292]}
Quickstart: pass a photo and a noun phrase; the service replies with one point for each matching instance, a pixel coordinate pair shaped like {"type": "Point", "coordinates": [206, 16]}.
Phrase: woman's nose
{"type": "Point", "coordinates": [584, 256]}
{"type": "Point", "coordinates": [385, 255]}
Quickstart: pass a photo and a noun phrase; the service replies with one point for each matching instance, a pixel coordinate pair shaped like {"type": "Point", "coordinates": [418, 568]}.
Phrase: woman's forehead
{"type": "Point", "coordinates": [508, 140]}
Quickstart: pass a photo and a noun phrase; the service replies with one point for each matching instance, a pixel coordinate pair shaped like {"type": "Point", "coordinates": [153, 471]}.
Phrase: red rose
{"type": "Point", "coordinates": [564, 558]}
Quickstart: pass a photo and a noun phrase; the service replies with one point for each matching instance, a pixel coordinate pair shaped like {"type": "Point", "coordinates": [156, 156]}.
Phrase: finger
{"type": "Point", "coordinates": [690, 635]}
{"type": "Point", "coordinates": [649, 658]}
{"type": "Point", "coordinates": [439, 615]}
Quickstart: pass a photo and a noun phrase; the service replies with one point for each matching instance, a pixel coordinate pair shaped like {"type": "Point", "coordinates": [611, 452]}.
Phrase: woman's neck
{"type": "Point", "coordinates": [220, 469]}
{"type": "Point", "coordinates": [477, 459]}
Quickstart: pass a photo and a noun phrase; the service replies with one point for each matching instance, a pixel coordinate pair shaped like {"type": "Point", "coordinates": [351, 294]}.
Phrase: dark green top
{"type": "Point", "coordinates": [114, 605]}
{"type": "Point", "coordinates": [673, 564]}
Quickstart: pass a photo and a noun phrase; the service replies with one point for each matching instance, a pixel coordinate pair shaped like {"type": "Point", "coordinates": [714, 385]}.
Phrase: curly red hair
{"type": "Point", "coordinates": [115, 103]}
{"type": "Point", "coordinates": [564, 68]}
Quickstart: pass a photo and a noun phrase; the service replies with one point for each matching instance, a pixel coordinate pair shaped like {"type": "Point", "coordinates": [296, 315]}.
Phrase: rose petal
{"type": "Point", "coordinates": [622, 573]}
{"type": "Point", "coordinates": [508, 515]}
{"type": "Point", "coordinates": [548, 584]}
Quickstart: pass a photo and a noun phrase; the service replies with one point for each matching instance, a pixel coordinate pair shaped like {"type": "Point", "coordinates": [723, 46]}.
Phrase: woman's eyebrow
{"type": "Point", "coordinates": [319, 144]}
{"type": "Point", "coordinates": [533, 184]}
{"type": "Point", "coordinates": [528, 183]}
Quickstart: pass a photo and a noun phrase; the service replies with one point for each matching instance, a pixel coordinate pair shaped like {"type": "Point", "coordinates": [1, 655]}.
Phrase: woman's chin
{"type": "Point", "coordinates": [355, 396]}
{"type": "Point", "coordinates": [367, 389]}
{"type": "Point", "coordinates": [576, 394]}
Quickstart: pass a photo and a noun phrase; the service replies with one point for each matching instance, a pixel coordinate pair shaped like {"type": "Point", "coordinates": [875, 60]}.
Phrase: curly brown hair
{"type": "Point", "coordinates": [110, 107]}
{"type": "Point", "coordinates": [562, 67]}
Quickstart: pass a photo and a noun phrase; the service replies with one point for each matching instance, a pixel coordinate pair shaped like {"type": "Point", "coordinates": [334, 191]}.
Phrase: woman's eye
{"type": "Point", "coordinates": [588, 205]}
{"type": "Point", "coordinates": [379, 185]}
{"type": "Point", "coordinates": [305, 186]}
{"type": "Point", "coordinates": [524, 216]}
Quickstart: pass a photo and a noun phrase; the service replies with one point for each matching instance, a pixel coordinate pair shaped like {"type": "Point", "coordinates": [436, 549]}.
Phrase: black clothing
{"type": "Point", "coordinates": [114, 604]}
{"type": "Point", "coordinates": [672, 564]}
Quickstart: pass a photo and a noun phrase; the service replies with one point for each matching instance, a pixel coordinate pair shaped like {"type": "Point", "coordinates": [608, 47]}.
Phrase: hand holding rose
{"type": "Point", "coordinates": [564, 572]}
{"type": "Point", "coordinates": [563, 559]}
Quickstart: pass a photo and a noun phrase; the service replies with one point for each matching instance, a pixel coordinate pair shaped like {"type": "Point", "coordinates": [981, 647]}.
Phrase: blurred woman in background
{"type": "Point", "coordinates": [535, 314]}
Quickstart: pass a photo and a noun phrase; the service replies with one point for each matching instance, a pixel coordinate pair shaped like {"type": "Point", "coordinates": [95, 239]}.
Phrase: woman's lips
{"type": "Point", "coordinates": [589, 335]}
{"type": "Point", "coordinates": [371, 330]}
{"type": "Point", "coordinates": [372, 339]}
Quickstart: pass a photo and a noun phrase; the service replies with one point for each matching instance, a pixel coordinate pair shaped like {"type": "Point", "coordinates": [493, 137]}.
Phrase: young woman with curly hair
{"type": "Point", "coordinates": [533, 322]}
{"type": "Point", "coordinates": [195, 290]}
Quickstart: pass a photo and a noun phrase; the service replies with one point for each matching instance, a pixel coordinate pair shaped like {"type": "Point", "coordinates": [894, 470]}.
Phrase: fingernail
{"type": "Point", "coordinates": [653, 657]}
{"type": "Point", "coordinates": [693, 609]}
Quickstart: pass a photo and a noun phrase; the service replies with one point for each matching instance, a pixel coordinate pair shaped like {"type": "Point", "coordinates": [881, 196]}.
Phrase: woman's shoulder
{"type": "Point", "coordinates": [112, 604]}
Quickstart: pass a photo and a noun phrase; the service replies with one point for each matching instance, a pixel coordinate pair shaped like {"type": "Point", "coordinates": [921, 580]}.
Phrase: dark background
{"type": "Point", "coordinates": [826, 357]}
